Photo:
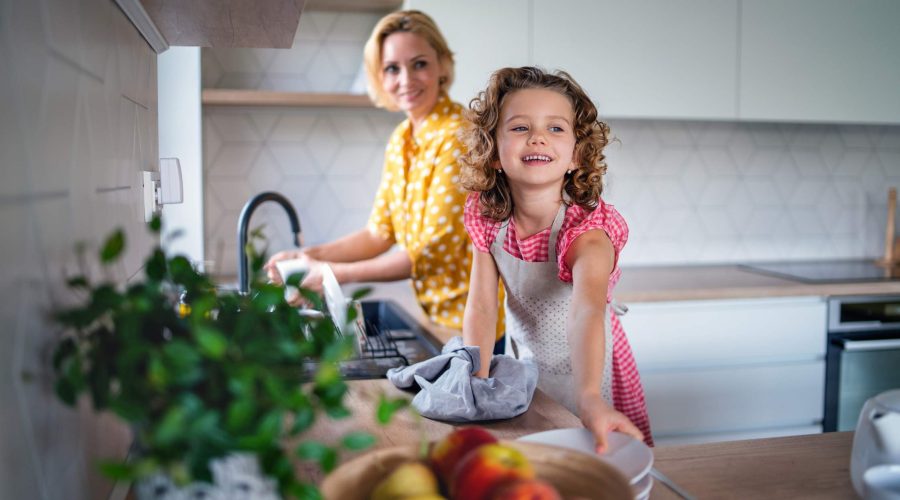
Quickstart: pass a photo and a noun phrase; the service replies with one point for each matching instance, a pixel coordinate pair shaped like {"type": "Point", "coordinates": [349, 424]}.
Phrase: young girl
{"type": "Point", "coordinates": [535, 165]}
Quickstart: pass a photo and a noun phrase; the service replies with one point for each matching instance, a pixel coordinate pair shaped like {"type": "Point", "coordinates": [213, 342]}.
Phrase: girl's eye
{"type": "Point", "coordinates": [520, 128]}
{"type": "Point", "coordinates": [556, 129]}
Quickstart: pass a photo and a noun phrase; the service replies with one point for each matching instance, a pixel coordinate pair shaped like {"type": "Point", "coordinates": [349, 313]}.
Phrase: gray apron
{"type": "Point", "coordinates": [537, 310]}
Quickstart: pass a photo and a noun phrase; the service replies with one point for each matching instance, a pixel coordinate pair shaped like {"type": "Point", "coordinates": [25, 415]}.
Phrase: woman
{"type": "Point", "coordinates": [418, 205]}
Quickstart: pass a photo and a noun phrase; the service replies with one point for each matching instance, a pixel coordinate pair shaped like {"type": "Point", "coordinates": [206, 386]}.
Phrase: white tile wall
{"type": "Point", "coordinates": [77, 124]}
{"type": "Point", "coordinates": [692, 192]}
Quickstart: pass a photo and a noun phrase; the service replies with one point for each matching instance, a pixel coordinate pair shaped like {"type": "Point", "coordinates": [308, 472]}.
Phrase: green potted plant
{"type": "Point", "coordinates": [212, 383]}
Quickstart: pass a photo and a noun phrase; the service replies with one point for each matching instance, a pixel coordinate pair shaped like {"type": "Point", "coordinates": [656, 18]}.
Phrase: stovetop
{"type": "Point", "coordinates": [828, 271]}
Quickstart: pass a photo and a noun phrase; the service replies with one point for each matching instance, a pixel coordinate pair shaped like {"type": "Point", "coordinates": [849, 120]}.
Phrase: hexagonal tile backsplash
{"type": "Point", "coordinates": [692, 192]}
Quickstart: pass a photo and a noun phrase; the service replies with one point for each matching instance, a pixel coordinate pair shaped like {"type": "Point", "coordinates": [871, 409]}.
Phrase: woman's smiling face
{"type": "Point", "coordinates": [535, 137]}
{"type": "Point", "coordinates": [411, 73]}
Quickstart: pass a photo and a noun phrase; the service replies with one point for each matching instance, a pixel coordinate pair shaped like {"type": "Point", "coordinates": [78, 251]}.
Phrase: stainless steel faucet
{"type": "Point", "coordinates": [244, 222]}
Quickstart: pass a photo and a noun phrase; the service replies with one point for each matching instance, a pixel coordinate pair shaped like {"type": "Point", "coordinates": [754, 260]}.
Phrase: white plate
{"type": "Point", "coordinates": [642, 488]}
{"type": "Point", "coordinates": [288, 267]}
{"type": "Point", "coordinates": [334, 299]}
{"type": "Point", "coordinates": [632, 457]}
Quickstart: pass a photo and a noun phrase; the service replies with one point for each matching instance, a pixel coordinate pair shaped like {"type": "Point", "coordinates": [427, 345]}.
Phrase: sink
{"type": "Point", "coordinates": [393, 338]}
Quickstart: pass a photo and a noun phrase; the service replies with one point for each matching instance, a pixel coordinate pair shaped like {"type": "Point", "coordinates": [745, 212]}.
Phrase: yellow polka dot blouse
{"type": "Point", "coordinates": [420, 207]}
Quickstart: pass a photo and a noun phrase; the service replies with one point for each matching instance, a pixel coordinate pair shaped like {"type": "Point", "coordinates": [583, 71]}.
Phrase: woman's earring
{"type": "Point", "coordinates": [442, 80]}
{"type": "Point", "coordinates": [568, 171]}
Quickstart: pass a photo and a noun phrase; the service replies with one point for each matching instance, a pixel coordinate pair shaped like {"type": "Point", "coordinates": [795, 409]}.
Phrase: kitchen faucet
{"type": "Point", "coordinates": [244, 221]}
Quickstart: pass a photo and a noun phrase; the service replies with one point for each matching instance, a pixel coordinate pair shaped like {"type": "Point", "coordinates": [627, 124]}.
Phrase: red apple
{"type": "Point", "coordinates": [526, 489]}
{"type": "Point", "coordinates": [447, 453]}
{"type": "Point", "coordinates": [486, 468]}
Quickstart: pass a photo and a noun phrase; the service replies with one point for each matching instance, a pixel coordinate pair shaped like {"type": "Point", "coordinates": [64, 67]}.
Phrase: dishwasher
{"type": "Point", "coordinates": [862, 355]}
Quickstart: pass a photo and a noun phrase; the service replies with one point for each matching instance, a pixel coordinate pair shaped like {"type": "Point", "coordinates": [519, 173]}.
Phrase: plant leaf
{"type": "Point", "coordinates": [113, 247]}
{"type": "Point", "coordinates": [303, 491]}
{"type": "Point", "coordinates": [387, 407]}
{"type": "Point", "coordinates": [318, 452]}
{"type": "Point", "coordinates": [155, 224]}
{"type": "Point", "coordinates": [362, 292]}
{"type": "Point", "coordinates": [117, 470]}
{"type": "Point", "coordinates": [358, 440]}
{"type": "Point", "coordinates": [212, 343]}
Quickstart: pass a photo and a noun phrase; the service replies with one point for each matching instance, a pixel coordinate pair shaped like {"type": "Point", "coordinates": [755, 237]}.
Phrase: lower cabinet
{"type": "Point", "coordinates": [730, 369]}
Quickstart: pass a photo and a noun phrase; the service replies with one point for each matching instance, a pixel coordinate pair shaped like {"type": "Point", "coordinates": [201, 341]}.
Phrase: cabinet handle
{"type": "Point", "coordinates": [871, 345]}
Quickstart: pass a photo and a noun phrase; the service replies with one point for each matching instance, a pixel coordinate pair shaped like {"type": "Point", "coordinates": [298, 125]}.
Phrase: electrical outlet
{"type": "Point", "coordinates": [151, 194]}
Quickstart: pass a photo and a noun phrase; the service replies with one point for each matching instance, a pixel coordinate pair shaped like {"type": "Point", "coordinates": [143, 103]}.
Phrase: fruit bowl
{"type": "Point", "coordinates": [574, 474]}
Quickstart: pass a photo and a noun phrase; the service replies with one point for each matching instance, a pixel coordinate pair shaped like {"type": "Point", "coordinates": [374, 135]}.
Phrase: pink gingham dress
{"type": "Point", "coordinates": [627, 392]}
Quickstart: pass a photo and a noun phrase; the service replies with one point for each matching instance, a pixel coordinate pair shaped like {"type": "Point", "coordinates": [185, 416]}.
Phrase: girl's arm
{"type": "Point", "coordinates": [591, 259]}
{"type": "Point", "coordinates": [480, 317]}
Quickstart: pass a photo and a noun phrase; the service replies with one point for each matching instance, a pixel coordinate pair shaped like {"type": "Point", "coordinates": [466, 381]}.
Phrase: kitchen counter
{"type": "Point", "coordinates": [669, 283]}
{"type": "Point", "coordinates": [673, 283]}
{"type": "Point", "coordinates": [813, 466]}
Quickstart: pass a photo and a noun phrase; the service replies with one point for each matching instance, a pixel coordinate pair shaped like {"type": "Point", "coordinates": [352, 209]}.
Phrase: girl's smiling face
{"type": "Point", "coordinates": [536, 138]}
{"type": "Point", "coordinates": [411, 73]}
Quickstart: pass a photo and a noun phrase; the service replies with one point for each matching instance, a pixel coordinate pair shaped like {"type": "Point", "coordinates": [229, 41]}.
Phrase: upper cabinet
{"type": "Point", "coordinates": [647, 59]}
{"type": "Point", "coordinates": [761, 60]}
{"type": "Point", "coordinates": [213, 23]}
{"type": "Point", "coordinates": [820, 60]}
{"type": "Point", "coordinates": [484, 36]}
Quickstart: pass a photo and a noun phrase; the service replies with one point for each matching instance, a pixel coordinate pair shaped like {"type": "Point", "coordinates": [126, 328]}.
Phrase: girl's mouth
{"type": "Point", "coordinates": [536, 160]}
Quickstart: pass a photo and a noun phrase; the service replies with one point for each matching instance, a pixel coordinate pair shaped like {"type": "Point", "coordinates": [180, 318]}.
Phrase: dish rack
{"type": "Point", "coordinates": [387, 337]}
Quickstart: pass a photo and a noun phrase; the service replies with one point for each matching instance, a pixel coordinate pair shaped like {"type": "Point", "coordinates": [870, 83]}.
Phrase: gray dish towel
{"type": "Point", "coordinates": [450, 391]}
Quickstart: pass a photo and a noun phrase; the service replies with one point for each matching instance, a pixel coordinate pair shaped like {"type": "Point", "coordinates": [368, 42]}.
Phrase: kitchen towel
{"type": "Point", "coordinates": [450, 391]}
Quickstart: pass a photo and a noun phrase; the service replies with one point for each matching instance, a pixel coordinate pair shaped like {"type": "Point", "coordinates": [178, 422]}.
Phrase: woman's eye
{"type": "Point", "coordinates": [391, 69]}
{"type": "Point", "coordinates": [420, 64]}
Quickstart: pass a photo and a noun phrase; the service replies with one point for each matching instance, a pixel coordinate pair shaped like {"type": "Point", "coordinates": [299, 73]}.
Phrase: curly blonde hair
{"type": "Point", "coordinates": [403, 21]}
{"type": "Point", "coordinates": [583, 185]}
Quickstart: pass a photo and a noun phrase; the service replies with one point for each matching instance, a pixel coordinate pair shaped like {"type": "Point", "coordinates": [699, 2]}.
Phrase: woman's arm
{"type": "Point", "coordinates": [360, 245]}
{"type": "Point", "coordinates": [357, 246]}
{"type": "Point", "coordinates": [591, 258]}
{"type": "Point", "coordinates": [480, 317]}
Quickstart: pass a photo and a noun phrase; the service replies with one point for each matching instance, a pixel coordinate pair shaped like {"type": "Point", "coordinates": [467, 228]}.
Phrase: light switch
{"type": "Point", "coordinates": [170, 189]}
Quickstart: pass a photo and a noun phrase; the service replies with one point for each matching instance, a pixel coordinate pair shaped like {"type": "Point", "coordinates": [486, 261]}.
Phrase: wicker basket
{"type": "Point", "coordinates": [574, 474]}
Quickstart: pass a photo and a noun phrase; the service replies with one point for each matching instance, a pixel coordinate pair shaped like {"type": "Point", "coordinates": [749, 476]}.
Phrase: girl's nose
{"type": "Point", "coordinates": [537, 138]}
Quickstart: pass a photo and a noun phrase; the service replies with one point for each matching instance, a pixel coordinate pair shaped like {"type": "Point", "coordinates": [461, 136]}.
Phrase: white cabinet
{"type": "Point", "coordinates": [647, 59]}
{"type": "Point", "coordinates": [775, 60]}
{"type": "Point", "coordinates": [820, 60]}
{"type": "Point", "coordinates": [720, 370]}
{"type": "Point", "coordinates": [484, 36]}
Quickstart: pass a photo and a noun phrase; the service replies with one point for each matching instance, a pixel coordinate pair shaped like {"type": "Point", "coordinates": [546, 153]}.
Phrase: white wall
{"type": "Point", "coordinates": [180, 137]}
{"type": "Point", "coordinates": [77, 125]}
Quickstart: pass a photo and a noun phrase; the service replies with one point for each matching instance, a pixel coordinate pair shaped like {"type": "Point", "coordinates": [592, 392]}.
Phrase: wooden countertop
{"type": "Point", "coordinates": [670, 283]}
{"type": "Point", "coordinates": [813, 466]}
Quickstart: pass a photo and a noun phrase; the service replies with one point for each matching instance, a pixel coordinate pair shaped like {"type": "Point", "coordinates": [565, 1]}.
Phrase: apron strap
{"type": "Point", "coordinates": [554, 230]}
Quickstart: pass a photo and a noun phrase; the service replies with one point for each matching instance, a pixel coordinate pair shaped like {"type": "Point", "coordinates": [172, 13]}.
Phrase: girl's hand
{"type": "Point", "coordinates": [601, 418]}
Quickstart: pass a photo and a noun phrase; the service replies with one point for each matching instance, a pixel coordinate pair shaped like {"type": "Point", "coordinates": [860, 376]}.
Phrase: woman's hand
{"type": "Point", "coordinates": [601, 418]}
{"type": "Point", "coordinates": [272, 270]}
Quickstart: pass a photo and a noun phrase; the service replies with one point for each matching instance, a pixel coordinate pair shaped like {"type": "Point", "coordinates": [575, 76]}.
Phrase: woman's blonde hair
{"type": "Point", "coordinates": [477, 173]}
{"type": "Point", "coordinates": [406, 21]}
